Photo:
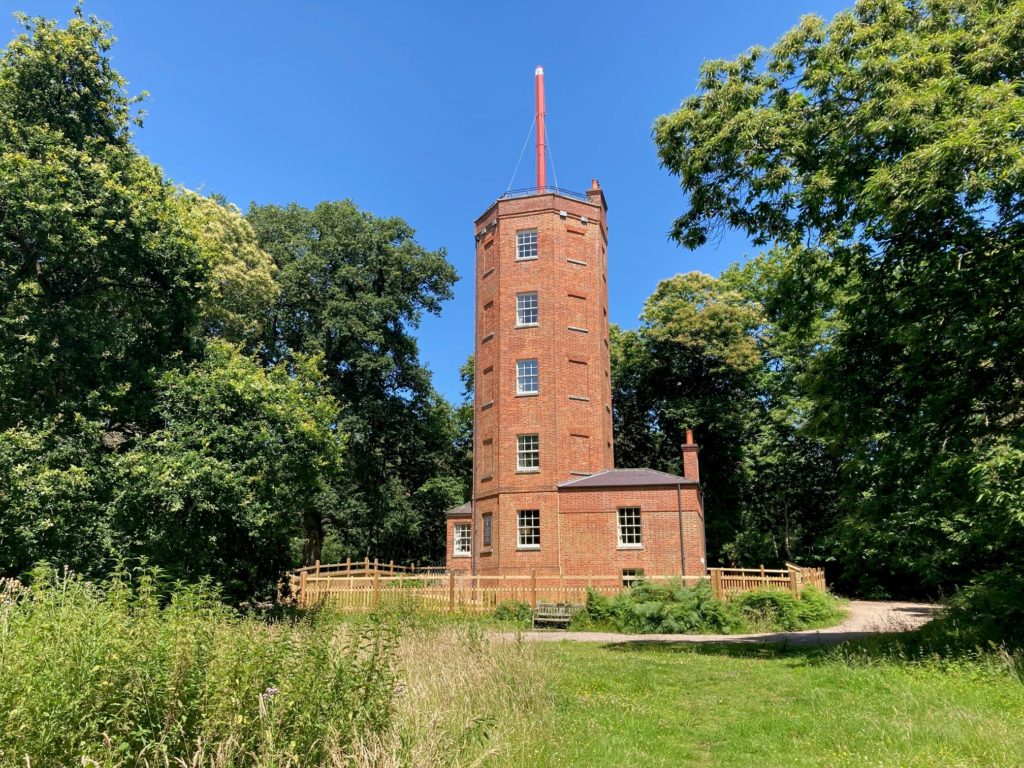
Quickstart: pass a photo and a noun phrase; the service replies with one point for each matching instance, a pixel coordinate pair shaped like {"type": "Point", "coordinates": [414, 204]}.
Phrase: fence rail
{"type": "Point", "coordinates": [368, 567]}
{"type": "Point", "coordinates": [361, 586]}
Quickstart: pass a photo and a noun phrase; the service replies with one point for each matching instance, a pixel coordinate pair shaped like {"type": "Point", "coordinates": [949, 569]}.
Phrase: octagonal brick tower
{"type": "Point", "coordinates": [543, 388]}
{"type": "Point", "coordinates": [546, 496]}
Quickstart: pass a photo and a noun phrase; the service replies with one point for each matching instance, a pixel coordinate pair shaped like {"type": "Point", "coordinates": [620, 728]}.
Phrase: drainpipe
{"type": "Point", "coordinates": [682, 546]}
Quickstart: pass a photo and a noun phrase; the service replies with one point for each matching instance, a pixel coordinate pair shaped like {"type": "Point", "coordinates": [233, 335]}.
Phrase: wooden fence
{"type": "Point", "coordinates": [726, 582]}
{"type": "Point", "coordinates": [368, 567]}
{"type": "Point", "coordinates": [362, 586]}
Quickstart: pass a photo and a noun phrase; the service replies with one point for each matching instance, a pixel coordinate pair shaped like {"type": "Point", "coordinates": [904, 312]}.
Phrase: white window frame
{"type": "Point", "coordinates": [629, 524]}
{"type": "Point", "coordinates": [528, 529]}
{"type": "Point", "coordinates": [528, 453]}
{"type": "Point", "coordinates": [527, 305]}
{"type": "Point", "coordinates": [527, 376]}
{"type": "Point", "coordinates": [462, 540]}
{"type": "Point", "coordinates": [527, 245]}
{"type": "Point", "coordinates": [630, 577]}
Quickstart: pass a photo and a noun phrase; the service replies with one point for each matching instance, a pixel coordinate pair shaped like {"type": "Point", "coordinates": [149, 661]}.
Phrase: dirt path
{"type": "Point", "coordinates": [864, 618]}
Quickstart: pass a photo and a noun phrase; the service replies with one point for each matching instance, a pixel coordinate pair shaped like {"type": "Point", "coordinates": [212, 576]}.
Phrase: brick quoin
{"type": "Point", "coordinates": [576, 488]}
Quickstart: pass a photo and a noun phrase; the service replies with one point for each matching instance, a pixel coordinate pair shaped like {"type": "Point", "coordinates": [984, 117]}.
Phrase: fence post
{"type": "Point", "coordinates": [533, 588]}
{"type": "Point", "coordinates": [794, 581]}
{"type": "Point", "coordinates": [376, 588]}
{"type": "Point", "coordinates": [716, 583]}
{"type": "Point", "coordinates": [451, 591]}
{"type": "Point", "coordinates": [302, 588]}
{"type": "Point", "coordinates": [391, 567]}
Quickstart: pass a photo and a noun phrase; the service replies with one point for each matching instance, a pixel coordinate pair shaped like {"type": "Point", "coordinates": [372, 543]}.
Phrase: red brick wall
{"type": "Point", "coordinates": [579, 533]}
{"type": "Point", "coordinates": [570, 278]}
{"type": "Point", "coordinates": [590, 531]}
{"type": "Point", "coordinates": [456, 564]}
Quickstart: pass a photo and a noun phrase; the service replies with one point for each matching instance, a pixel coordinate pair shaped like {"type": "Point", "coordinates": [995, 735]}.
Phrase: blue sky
{"type": "Point", "coordinates": [420, 110]}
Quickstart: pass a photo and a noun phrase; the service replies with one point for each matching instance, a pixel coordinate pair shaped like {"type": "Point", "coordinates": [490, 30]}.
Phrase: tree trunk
{"type": "Point", "coordinates": [313, 524]}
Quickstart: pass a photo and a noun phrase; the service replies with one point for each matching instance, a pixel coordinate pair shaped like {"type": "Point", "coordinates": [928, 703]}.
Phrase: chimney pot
{"type": "Point", "coordinates": [688, 451]}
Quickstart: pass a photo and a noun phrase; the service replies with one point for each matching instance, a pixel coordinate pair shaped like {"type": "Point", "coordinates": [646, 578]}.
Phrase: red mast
{"type": "Point", "coordinates": [541, 135]}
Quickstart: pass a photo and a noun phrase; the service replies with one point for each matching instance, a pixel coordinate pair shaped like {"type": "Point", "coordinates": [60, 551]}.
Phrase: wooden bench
{"type": "Point", "coordinates": [559, 614]}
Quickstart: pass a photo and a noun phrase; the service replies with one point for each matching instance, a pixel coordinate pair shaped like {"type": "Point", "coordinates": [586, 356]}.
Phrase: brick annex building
{"type": "Point", "coordinates": [546, 496]}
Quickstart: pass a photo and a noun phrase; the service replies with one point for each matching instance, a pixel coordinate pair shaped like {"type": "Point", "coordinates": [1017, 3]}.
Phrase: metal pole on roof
{"type": "Point", "coordinates": [541, 133]}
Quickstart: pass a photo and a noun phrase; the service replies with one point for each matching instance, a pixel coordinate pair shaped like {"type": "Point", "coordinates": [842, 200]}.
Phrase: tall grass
{"type": "Point", "coordinates": [464, 699]}
{"type": "Point", "coordinates": [121, 673]}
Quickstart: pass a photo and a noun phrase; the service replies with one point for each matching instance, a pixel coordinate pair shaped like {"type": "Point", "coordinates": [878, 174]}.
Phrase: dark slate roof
{"type": "Point", "coordinates": [464, 511]}
{"type": "Point", "coordinates": [612, 478]}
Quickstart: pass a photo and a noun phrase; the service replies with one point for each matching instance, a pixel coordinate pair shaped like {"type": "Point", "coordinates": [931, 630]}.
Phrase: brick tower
{"type": "Point", "coordinates": [542, 410]}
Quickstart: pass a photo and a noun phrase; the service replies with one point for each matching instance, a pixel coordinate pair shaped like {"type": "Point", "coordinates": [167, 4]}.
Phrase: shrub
{"type": "Point", "coordinates": [769, 609]}
{"type": "Point", "coordinates": [675, 608]}
{"type": "Point", "coordinates": [987, 612]}
{"type": "Point", "coordinates": [648, 607]}
{"type": "Point", "coordinates": [117, 673]}
{"type": "Point", "coordinates": [513, 611]}
{"type": "Point", "coordinates": [818, 609]}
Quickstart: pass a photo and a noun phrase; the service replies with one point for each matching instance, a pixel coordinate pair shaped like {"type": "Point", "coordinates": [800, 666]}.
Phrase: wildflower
{"type": "Point", "coordinates": [271, 691]}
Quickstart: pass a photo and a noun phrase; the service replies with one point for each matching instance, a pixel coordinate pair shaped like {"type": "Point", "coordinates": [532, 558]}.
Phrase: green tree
{"type": "Point", "coordinates": [692, 364]}
{"type": "Point", "coordinates": [99, 276]}
{"type": "Point", "coordinates": [242, 285]}
{"type": "Point", "coordinates": [241, 466]}
{"type": "Point", "coordinates": [881, 154]}
{"type": "Point", "coordinates": [353, 288]}
{"type": "Point", "coordinates": [704, 358]}
{"type": "Point", "coordinates": [55, 484]}
{"type": "Point", "coordinates": [464, 425]}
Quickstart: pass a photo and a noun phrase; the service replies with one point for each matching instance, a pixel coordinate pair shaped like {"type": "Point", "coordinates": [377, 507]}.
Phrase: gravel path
{"type": "Point", "coordinates": [863, 619]}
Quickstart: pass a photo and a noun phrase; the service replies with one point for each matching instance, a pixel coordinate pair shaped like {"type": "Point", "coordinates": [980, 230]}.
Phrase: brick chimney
{"type": "Point", "coordinates": [691, 468]}
{"type": "Point", "coordinates": [596, 195]}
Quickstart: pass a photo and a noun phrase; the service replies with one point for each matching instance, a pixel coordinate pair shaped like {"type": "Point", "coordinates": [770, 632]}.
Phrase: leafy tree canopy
{"type": "Point", "coordinates": [881, 154]}
{"type": "Point", "coordinates": [353, 288]}
{"type": "Point", "coordinates": [99, 276]}
{"type": "Point", "coordinates": [242, 285]}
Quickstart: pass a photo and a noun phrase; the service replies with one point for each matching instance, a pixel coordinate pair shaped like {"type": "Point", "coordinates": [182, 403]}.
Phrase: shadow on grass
{"type": "Point", "coordinates": [862, 647]}
{"type": "Point", "coordinates": [933, 644]}
{"type": "Point", "coordinates": [769, 651]}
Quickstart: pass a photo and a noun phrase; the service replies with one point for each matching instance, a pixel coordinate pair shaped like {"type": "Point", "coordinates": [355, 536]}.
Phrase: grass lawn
{"type": "Point", "coordinates": [741, 706]}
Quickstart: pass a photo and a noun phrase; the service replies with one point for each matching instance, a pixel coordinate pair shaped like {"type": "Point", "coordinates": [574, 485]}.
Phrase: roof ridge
{"type": "Point", "coordinates": [610, 474]}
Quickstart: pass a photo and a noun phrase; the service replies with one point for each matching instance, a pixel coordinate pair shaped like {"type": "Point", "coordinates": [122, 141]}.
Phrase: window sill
{"type": "Point", "coordinates": [527, 394]}
{"type": "Point", "coordinates": [535, 471]}
{"type": "Point", "coordinates": [577, 329]}
{"type": "Point", "coordinates": [528, 325]}
{"type": "Point", "coordinates": [630, 546]}
{"type": "Point", "coordinates": [460, 554]}
{"type": "Point", "coordinates": [527, 258]}
{"type": "Point", "coordinates": [528, 548]}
